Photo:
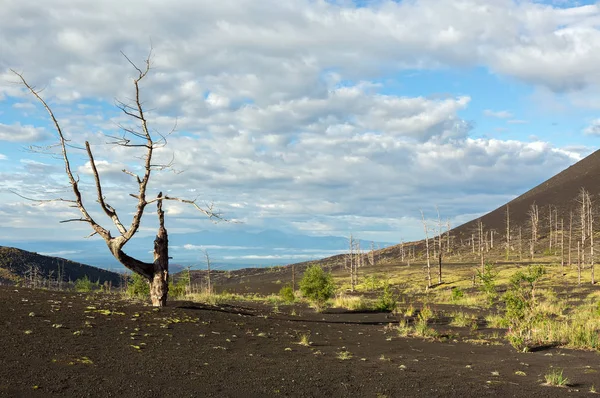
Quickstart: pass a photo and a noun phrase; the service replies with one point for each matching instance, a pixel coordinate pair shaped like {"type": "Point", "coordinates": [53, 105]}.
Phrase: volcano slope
{"type": "Point", "coordinates": [83, 345]}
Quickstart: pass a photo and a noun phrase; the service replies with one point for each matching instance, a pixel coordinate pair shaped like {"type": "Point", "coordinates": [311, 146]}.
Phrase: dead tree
{"type": "Point", "coordinates": [427, 250]}
{"type": "Point", "coordinates": [481, 237]}
{"type": "Point", "coordinates": [534, 218]}
{"type": "Point", "coordinates": [562, 243]}
{"type": "Point", "coordinates": [584, 203]}
{"type": "Point", "coordinates": [208, 280]}
{"type": "Point", "coordinates": [448, 236]}
{"type": "Point", "coordinates": [591, 234]}
{"type": "Point", "coordinates": [520, 243]}
{"type": "Point", "coordinates": [507, 232]}
{"type": "Point", "coordinates": [402, 250]}
{"type": "Point", "coordinates": [570, 235]}
{"type": "Point", "coordinates": [137, 138]}
{"type": "Point", "coordinates": [350, 259]}
{"type": "Point", "coordinates": [578, 263]}
{"type": "Point", "coordinates": [556, 226]}
{"type": "Point", "coordinates": [440, 248]}
{"type": "Point", "coordinates": [550, 228]}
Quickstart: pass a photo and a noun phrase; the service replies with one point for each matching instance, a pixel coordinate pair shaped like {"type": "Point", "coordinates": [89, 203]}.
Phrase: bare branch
{"type": "Point", "coordinates": [109, 210]}
{"type": "Point", "coordinates": [208, 211]}
{"type": "Point", "coordinates": [41, 201]}
{"type": "Point", "coordinates": [75, 219]}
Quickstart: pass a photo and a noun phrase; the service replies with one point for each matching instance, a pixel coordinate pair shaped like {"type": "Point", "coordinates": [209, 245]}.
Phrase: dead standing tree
{"type": "Point", "coordinates": [427, 250]}
{"type": "Point", "coordinates": [534, 218]}
{"type": "Point", "coordinates": [156, 272]}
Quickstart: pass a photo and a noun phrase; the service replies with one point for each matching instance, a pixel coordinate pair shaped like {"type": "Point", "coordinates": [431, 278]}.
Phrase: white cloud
{"type": "Point", "coordinates": [2, 157]}
{"type": "Point", "coordinates": [593, 128]}
{"type": "Point", "coordinates": [191, 247]}
{"type": "Point", "coordinates": [497, 114]}
{"type": "Point", "coordinates": [234, 55]}
{"type": "Point", "coordinates": [60, 253]}
{"type": "Point", "coordinates": [18, 133]}
{"type": "Point", "coordinates": [23, 105]}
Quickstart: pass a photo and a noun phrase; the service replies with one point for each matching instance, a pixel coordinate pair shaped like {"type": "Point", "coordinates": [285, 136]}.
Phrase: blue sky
{"type": "Point", "coordinates": [309, 117]}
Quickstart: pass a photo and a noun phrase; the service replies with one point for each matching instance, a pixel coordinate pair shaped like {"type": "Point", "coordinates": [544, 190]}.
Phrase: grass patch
{"type": "Point", "coordinates": [556, 378]}
{"type": "Point", "coordinates": [353, 303]}
{"type": "Point", "coordinates": [462, 319]}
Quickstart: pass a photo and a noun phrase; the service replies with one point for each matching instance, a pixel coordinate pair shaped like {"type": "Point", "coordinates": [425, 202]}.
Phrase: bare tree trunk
{"type": "Point", "coordinates": [520, 244]}
{"type": "Point", "coordinates": [440, 255]}
{"type": "Point", "coordinates": [448, 236]}
{"type": "Point", "coordinates": [591, 235]}
{"type": "Point", "coordinates": [481, 245]}
{"type": "Point", "coordinates": [440, 246]}
{"type": "Point", "coordinates": [550, 227]}
{"type": "Point", "coordinates": [570, 235]}
{"type": "Point", "coordinates": [159, 285]}
{"type": "Point", "coordinates": [351, 260]}
{"type": "Point", "coordinates": [533, 220]}
{"type": "Point", "coordinates": [402, 250]}
{"type": "Point", "coordinates": [507, 232]}
{"type": "Point", "coordinates": [427, 250]}
{"type": "Point", "coordinates": [209, 287]}
{"type": "Point", "coordinates": [562, 243]}
{"type": "Point", "coordinates": [293, 277]}
{"type": "Point", "coordinates": [578, 263]}
{"type": "Point", "coordinates": [556, 226]}
{"type": "Point", "coordinates": [583, 200]}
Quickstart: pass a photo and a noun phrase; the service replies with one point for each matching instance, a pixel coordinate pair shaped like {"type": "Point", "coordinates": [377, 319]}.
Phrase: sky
{"type": "Point", "coordinates": [304, 117]}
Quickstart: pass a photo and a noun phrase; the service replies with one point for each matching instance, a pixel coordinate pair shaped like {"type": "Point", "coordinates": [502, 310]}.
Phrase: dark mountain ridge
{"type": "Point", "coordinates": [16, 263]}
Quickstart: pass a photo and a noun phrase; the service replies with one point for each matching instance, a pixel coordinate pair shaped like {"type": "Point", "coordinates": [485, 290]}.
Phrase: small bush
{"type": "Point", "coordinates": [138, 287]}
{"type": "Point", "coordinates": [520, 300]}
{"type": "Point", "coordinates": [287, 294]}
{"type": "Point", "coordinates": [386, 301]}
{"type": "Point", "coordinates": [317, 285]}
{"type": "Point", "coordinates": [487, 278]}
{"type": "Point", "coordinates": [457, 294]}
{"type": "Point", "coordinates": [372, 282]}
{"type": "Point", "coordinates": [84, 284]}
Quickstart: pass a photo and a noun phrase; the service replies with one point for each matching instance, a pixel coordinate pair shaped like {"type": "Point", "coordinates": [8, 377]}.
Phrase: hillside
{"type": "Point", "coordinates": [559, 192]}
{"type": "Point", "coordinates": [16, 263]}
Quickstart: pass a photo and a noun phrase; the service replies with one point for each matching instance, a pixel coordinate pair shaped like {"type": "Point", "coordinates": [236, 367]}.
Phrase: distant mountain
{"type": "Point", "coordinates": [229, 247]}
{"type": "Point", "coordinates": [19, 263]}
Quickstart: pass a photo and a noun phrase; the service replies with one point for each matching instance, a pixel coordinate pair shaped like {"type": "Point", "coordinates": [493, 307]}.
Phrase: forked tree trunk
{"type": "Point", "coordinates": [159, 283]}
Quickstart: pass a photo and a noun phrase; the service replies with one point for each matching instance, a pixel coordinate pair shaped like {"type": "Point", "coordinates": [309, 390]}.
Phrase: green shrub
{"type": "Point", "coordinates": [84, 284]}
{"type": "Point", "coordinates": [287, 294]}
{"type": "Point", "coordinates": [487, 278]}
{"type": "Point", "coordinates": [520, 305]}
{"type": "Point", "coordinates": [372, 282]}
{"type": "Point", "coordinates": [317, 285]}
{"type": "Point", "coordinates": [386, 301]}
{"type": "Point", "coordinates": [457, 294]}
{"type": "Point", "coordinates": [179, 289]}
{"type": "Point", "coordinates": [138, 287]}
